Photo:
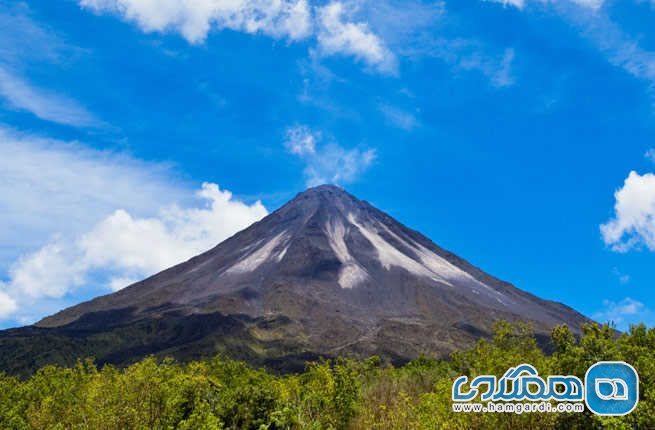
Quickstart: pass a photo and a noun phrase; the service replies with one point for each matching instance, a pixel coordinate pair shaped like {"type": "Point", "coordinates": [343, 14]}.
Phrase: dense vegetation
{"type": "Point", "coordinates": [220, 393]}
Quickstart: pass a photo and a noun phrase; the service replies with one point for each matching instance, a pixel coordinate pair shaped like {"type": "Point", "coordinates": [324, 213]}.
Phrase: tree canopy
{"type": "Point", "coordinates": [219, 393]}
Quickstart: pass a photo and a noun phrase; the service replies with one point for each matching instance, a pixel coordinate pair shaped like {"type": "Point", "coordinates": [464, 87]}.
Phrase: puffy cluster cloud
{"type": "Point", "coordinates": [194, 19]}
{"type": "Point", "coordinates": [633, 224]}
{"type": "Point", "coordinates": [122, 248]}
{"type": "Point", "coordinates": [48, 187]}
{"type": "Point", "coordinates": [327, 163]}
{"type": "Point", "coordinates": [330, 24]}
{"type": "Point", "coordinates": [84, 219]}
{"type": "Point", "coordinates": [7, 304]}
{"type": "Point", "coordinates": [337, 35]}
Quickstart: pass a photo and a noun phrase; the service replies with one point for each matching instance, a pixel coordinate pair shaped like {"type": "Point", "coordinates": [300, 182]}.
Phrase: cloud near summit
{"type": "Point", "coordinates": [326, 163]}
{"type": "Point", "coordinates": [81, 218]}
{"type": "Point", "coordinates": [123, 248]}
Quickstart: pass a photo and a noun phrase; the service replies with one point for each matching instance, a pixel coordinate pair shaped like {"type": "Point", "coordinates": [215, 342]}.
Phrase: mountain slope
{"type": "Point", "coordinates": [326, 274]}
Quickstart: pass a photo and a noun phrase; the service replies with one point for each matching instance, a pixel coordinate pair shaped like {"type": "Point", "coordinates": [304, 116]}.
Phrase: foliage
{"type": "Point", "coordinates": [220, 393]}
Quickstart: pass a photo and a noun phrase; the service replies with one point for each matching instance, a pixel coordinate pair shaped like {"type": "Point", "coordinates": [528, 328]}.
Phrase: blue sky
{"type": "Point", "coordinates": [517, 134]}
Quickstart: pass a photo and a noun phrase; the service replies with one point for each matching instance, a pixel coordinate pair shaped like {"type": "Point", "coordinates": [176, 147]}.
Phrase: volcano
{"type": "Point", "coordinates": [325, 275]}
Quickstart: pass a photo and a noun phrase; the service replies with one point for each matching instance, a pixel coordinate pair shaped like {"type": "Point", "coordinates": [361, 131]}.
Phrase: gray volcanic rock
{"type": "Point", "coordinates": [324, 275]}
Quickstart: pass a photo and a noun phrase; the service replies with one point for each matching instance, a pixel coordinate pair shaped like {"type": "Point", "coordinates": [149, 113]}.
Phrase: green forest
{"type": "Point", "coordinates": [219, 393]}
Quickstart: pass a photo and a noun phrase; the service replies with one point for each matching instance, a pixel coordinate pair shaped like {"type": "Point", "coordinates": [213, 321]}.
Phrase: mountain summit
{"type": "Point", "coordinates": [324, 275]}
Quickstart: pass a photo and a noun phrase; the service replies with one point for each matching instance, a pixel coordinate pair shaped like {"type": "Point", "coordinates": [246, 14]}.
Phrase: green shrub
{"type": "Point", "coordinates": [220, 393]}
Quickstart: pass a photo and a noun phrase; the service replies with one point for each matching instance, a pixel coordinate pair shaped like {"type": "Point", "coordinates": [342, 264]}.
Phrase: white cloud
{"type": "Point", "coordinates": [338, 165]}
{"type": "Point", "coordinates": [84, 220]}
{"type": "Point", "coordinates": [520, 4]}
{"type": "Point", "coordinates": [123, 248]}
{"type": "Point", "coordinates": [399, 117]}
{"type": "Point", "coordinates": [633, 223]}
{"type": "Point", "coordinates": [195, 19]}
{"type": "Point", "coordinates": [330, 24]}
{"type": "Point", "coordinates": [301, 140]}
{"type": "Point", "coordinates": [119, 282]}
{"type": "Point", "coordinates": [44, 104]}
{"type": "Point", "coordinates": [7, 304]}
{"type": "Point", "coordinates": [338, 35]}
{"type": "Point", "coordinates": [516, 3]}
{"type": "Point", "coordinates": [126, 242]}
{"type": "Point", "coordinates": [623, 313]}
{"type": "Point", "coordinates": [50, 187]}
{"type": "Point", "coordinates": [592, 4]}
{"type": "Point", "coordinates": [48, 272]}
{"type": "Point", "coordinates": [329, 163]}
